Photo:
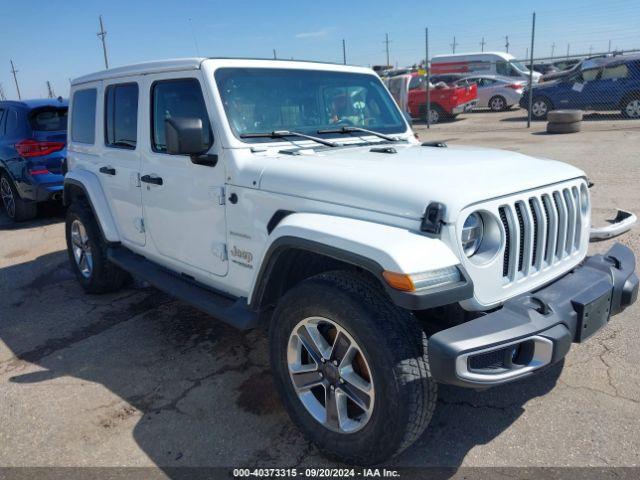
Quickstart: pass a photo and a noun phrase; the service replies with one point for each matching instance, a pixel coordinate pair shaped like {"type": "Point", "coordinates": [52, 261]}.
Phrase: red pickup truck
{"type": "Point", "coordinates": [446, 101]}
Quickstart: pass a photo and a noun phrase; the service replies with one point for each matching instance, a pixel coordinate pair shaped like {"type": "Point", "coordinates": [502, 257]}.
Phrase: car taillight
{"type": "Point", "coordinates": [33, 148]}
{"type": "Point", "coordinates": [515, 86]}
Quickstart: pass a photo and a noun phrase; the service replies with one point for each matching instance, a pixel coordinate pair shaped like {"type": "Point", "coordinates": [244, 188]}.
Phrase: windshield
{"type": "Point", "coordinates": [262, 100]}
{"type": "Point", "coordinates": [520, 66]}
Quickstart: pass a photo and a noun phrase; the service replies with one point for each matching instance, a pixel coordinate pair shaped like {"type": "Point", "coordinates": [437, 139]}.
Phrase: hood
{"type": "Point", "coordinates": [404, 183]}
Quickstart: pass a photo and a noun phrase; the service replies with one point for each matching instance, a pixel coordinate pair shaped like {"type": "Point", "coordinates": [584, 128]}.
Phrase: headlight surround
{"type": "Point", "coordinates": [584, 200]}
{"type": "Point", "coordinates": [472, 233]}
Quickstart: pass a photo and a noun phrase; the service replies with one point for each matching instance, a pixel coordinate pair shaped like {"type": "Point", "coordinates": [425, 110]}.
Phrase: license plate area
{"type": "Point", "coordinates": [592, 314]}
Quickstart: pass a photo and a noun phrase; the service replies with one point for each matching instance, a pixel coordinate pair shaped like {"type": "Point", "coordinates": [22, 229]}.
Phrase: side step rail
{"type": "Point", "coordinates": [233, 311]}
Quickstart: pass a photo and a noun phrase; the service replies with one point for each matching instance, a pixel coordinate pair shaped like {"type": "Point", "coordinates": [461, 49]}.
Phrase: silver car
{"type": "Point", "coordinates": [497, 93]}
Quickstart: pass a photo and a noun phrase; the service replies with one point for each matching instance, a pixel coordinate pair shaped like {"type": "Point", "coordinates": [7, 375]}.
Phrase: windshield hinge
{"type": "Point", "coordinates": [221, 195]}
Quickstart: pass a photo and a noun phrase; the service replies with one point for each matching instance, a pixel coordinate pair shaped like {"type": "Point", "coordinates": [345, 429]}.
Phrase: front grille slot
{"type": "Point", "coordinates": [540, 231]}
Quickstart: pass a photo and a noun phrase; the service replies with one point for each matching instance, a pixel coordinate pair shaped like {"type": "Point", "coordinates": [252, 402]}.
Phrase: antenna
{"type": "Point", "coordinates": [195, 40]}
{"type": "Point", "coordinates": [482, 44]}
{"type": "Point", "coordinates": [102, 33]}
{"type": "Point", "coordinates": [15, 79]}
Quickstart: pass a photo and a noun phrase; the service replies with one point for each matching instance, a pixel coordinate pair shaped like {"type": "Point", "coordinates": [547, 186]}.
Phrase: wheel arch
{"type": "Point", "coordinates": [83, 185]}
{"type": "Point", "coordinates": [629, 96]}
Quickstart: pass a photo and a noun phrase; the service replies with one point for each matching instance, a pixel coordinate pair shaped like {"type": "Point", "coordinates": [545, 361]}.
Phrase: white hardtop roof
{"type": "Point", "coordinates": [474, 54]}
{"type": "Point", "coordinates": [195, 63]}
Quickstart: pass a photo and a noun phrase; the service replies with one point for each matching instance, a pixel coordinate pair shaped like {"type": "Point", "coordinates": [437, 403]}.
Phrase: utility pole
{"type": "Point", "coordinates": [609, 51]}
{"type": "Point", "coordinates": [553, 48]}
{"type": "Point", "coordinates": [103, 34]}
{"type": "Point", "coordinates": [50, 90]}
{"type": "Point", "coordinates": [2, 95]}
{"type": "Point", "coordinates": [526, 55]}
{"type": "Point", "coordinates": [275, 56]}
{"type": "Point", "coordinates": [506, 43]}
{"type": "Point", "coordinates": [386, 41]}
{"type": "Point", "coordinates": [568, 47]}
{"type": "Point", "coordinates": [453, 45]}
{"type": "Point", "coordinates": [344, 52]}
{"type": "Point", "coordinates": [533, 36]}
{"type": "Point", "coordinates": [15, 79]}
{"type": "Point", "coordinates": [427, 66]}
{"type": "Point", "coordinates": [482, 44]}
{"type": "Point", "coordinates": [590, 49]}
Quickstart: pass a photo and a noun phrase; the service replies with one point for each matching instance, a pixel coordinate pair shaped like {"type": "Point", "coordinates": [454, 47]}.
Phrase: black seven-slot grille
{"type": "Point", "coordinates": [540, 231]}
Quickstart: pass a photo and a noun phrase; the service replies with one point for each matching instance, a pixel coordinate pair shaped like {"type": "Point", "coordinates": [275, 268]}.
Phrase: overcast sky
{"type": "Point", "coordinates": [56, 40]}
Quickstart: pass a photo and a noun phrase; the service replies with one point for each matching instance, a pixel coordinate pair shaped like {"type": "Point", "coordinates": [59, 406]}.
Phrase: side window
{"type": "Point", "coordinates": [11, 123]}
{"type": "Point", "coordinates": [502, 68]}
{"type": "Point", "coordinates": [121, 115]}
{"type": "Point", "coordinates": [177, 98]}
{"type": "Point", "coordinates": [83, 116]}
{"type": "Point", "coordinates": [615, 72]}
{"type": "Point", "coordinates": [590, 75]}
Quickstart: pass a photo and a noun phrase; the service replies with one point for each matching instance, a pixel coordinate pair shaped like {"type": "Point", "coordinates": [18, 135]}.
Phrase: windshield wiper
{"type": "Point", "coordinates": [287, 133]}
{"type": "Point", "coordinates": [363, 130]}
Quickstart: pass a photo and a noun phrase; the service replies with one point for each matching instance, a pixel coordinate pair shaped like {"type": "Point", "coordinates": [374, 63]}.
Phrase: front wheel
{"type": "Point", "coordinates": [497, 103]}
{"type": "Point", "coordinates": [540, 107]}
{"type": "Point", "coordinates": [631, 107]}
{"type": "Point", "coordinates": [351, 368]}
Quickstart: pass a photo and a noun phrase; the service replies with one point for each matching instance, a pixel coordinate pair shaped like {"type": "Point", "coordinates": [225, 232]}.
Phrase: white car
{"type": "Point", "coordinates": [294, 195]}
{"type": "Point", "coordinates": [496, 93]}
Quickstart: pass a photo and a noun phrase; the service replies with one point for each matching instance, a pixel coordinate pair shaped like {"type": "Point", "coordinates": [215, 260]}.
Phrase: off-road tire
{"type": "Point", "coordinates": [495, 101]}
{"type": "Point", "coordinates": [105, 276]}
{"type": "Point", "coordinates": [22, 210]}
{"type": "Point", "coordinates": [565, 116]}
{"type": "Point", "coordinates": [395, 348]}
{"type": "Point", "coordinates": [563, 127]}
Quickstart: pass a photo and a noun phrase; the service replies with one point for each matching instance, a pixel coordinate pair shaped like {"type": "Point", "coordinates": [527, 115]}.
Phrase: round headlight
{"type": "Point", "coordinates": [472, 232]}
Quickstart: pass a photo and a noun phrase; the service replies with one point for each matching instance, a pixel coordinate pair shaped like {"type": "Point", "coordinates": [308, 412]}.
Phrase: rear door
{"type": "Point", "coordinates": [120, 158]}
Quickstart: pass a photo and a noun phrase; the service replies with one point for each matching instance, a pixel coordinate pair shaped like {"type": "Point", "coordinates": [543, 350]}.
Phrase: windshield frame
{"type": "Point", "coordinates": [404, 128]}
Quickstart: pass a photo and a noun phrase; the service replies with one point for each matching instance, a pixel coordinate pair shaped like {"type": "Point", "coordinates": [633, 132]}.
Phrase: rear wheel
{"type": "Point", "coordinates": [497, 103]}
{"type": "Point", "coordinates": [87, 252]}
{"type": "Point", "coordinates": [17, 209]}
{"type": "Point", "coordinates": [351, 368]}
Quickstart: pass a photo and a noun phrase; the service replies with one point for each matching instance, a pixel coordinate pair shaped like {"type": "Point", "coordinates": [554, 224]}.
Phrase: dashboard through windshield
{"type": "Point", "coordinates": [263, 100]}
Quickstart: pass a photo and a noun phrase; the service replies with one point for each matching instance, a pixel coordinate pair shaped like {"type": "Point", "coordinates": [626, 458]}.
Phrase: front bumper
{"type": "Point", "coordinates": [535, 330]}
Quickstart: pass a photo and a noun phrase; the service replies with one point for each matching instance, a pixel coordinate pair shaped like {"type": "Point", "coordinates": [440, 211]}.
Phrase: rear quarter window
{"type": "Point", "coordinates": [48, 119]}
{"type": "Point", "coordinates": [83, 116]}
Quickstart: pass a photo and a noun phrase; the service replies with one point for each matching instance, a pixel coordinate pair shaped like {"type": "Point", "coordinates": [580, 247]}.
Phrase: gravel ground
{"type": "Point", "coordinates": [138, 379]}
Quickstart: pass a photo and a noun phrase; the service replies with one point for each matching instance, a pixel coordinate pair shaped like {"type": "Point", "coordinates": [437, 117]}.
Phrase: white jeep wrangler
{"type": "Point", "coordinates": [295, 195]}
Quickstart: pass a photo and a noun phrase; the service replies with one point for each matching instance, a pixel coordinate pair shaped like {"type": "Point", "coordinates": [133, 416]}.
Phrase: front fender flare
{"type": "Point", "coordinates": [90, 185]}
{"type": "Point", "coordinates": [371, 246]}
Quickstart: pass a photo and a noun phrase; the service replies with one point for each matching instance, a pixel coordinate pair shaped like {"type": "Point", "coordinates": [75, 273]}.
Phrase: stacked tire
{"type": "Point", "coordinates": [564, 121]}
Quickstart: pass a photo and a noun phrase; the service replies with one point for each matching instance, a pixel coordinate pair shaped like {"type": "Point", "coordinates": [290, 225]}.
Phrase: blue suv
{"type": "Point", "coordinates": [33, 136]}
{"type": "Point", "coordinates": [614, 84]}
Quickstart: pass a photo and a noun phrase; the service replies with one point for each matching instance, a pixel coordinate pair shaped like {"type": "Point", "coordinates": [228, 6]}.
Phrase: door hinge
{"type": "Point", "coordinates": [220, 251]}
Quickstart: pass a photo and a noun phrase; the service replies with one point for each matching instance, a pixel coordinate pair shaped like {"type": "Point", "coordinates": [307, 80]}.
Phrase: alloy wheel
{"type": "Point", "coordinates": [330, 375]}
{"type": "Point", "coordinates": [7, 197]}
{"type": "Point", "coordinates": [434, 116]}
{"type": "Point", "coordinates": [539, 108]}
{"type": "Point", "coordinates": [81, 248]}
{"type": "Point", "coordinates": [497, 104]}
{"type": "Point", "coordinates": [632, 109]}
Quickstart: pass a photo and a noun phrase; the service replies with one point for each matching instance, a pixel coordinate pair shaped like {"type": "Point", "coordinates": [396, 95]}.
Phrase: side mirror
{"type": "Point", "coordinates": [184, 136]}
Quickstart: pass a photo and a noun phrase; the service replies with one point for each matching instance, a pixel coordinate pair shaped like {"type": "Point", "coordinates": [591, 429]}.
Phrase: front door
{"type": "Point", "coordinates": [183, 202]}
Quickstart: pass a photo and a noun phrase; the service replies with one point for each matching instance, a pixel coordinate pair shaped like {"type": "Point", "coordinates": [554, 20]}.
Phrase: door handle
{"type": "Point", "coordinates": [108, 170]}
{"type": "Point", "coordinates": [151, 179]}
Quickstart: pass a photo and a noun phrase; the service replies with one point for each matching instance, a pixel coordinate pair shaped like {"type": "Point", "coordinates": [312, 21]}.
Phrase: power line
{"type": "Point", "coordinates": [15, 79]}
{"type": "Point", "coordinates": [102, 33]}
